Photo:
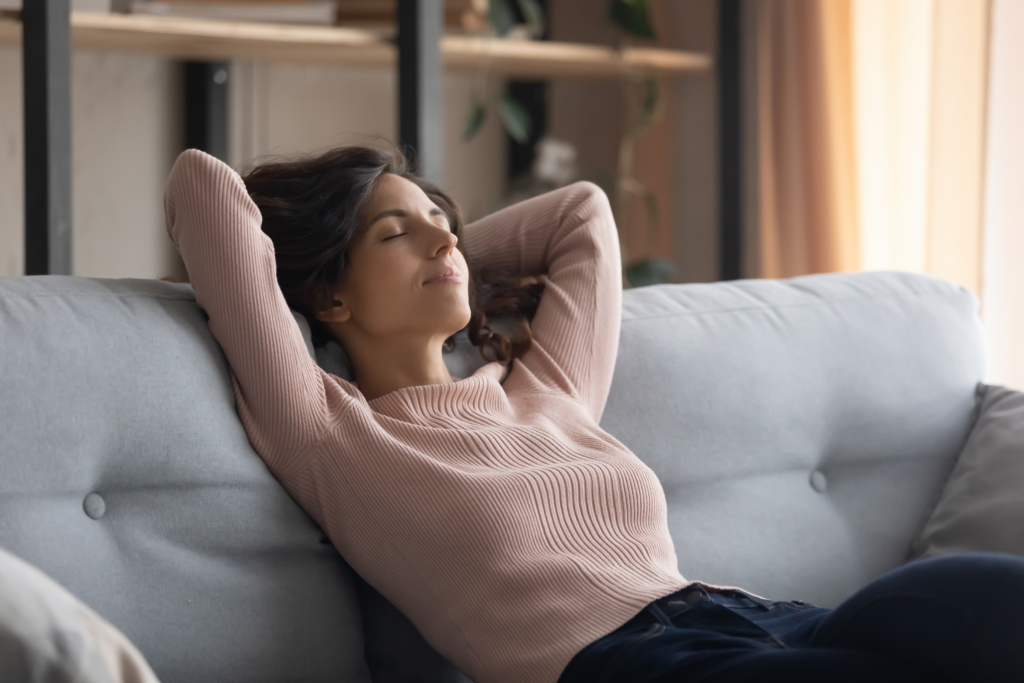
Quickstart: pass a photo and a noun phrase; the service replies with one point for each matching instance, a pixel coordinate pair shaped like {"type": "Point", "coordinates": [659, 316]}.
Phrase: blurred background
{"type": "Point", "coordinates": [736, 138]}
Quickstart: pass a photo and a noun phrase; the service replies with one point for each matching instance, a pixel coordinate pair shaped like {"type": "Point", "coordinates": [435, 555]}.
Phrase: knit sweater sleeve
{"type": "Point", "coordinates": [215, 226]}
{"type": "Point", "coordinates": [569, 237]}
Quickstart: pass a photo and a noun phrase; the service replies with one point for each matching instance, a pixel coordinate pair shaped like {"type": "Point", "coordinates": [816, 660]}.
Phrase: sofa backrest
{"type": "Point", "coordinates": [801, 429]}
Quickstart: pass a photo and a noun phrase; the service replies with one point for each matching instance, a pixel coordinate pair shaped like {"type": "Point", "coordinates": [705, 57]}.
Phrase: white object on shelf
{"type": "Point", "coordinates": [315, 12]}
{"type": "Point", "coordinates": [102, 6]}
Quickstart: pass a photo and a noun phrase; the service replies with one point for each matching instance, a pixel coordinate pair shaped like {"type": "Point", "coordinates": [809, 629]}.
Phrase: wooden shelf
{"type": "Point", "coordinates": [208, 40]}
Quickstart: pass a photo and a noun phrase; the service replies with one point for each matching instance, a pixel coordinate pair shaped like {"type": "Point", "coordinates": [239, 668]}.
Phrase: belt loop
{"type": "Point", "coordinates": [656, 610]}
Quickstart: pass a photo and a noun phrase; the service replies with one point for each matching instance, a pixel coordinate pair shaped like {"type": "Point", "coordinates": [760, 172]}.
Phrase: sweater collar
{"type": "Point", "coordinates": [477, 398]}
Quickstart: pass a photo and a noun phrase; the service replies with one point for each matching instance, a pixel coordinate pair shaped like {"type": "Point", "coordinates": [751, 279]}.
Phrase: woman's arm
{"type": "Point", "coordinates": [230, 261]}
{"type": "Point", "coordinates": [569, 236]}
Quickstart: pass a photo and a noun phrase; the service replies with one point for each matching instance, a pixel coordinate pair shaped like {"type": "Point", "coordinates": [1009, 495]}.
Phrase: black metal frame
{"type": "Point", "coordinates": [206, 107]}
{"type": "Point", "coordinates": [421, 85]}
{"type": "Point", "coordinates": [730, 139]}
{"type": "Point", "coordinates": [533, 96]}
{"type": "Point", "coordinates": [46, 68]}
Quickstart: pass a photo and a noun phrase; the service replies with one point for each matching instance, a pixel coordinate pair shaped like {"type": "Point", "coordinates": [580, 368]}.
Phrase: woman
{"type": "Point", "coordinates": [524, 542]}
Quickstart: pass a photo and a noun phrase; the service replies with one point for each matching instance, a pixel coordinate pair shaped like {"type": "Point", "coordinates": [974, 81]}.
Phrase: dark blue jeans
{"type": "Point", "coordinates": [955, 617]}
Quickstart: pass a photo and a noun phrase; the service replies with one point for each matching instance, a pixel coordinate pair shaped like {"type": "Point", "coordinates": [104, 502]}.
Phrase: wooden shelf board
{"type": "Point", "coordinates": [207, 40]}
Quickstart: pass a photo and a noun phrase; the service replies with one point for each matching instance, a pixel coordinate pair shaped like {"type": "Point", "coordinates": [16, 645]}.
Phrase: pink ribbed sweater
{"type": "Point", "coordinates": [493, 510]}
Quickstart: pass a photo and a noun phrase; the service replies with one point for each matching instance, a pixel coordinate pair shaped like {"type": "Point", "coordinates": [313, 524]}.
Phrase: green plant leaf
{"type": "Point", "coordinates": [632, 16]}
{"type": "Point", "coordinates": [652, 271]}
{"type": "Point", "coordinates": [514, 117]}
{"type": "Point", "coordinates": [652, 93]}
{"type": "Point", "coordinates": [474, 119]}
{"type": "Point", "coordinates": [501, 16]}
{"type": "Point", "coordinates": [534, 16]}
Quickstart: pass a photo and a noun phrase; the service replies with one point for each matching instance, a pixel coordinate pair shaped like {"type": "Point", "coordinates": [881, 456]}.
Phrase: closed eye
{"type": "Point", "coordinates": [393, 236]}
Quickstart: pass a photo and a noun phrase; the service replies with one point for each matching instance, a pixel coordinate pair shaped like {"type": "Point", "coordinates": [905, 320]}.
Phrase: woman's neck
{"type": "Point", "coordinates": [383, 366]}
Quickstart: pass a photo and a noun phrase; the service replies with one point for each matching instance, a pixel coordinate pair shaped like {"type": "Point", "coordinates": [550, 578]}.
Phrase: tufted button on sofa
{"type": "Point", "coordinates": [800, 428]}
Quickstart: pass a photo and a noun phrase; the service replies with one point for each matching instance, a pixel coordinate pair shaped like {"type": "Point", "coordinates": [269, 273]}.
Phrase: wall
{"type": "Point", "coordinates": [11, 162]}
{"type": "Point", "coordinates": [126, 132]}
{"type": "Point", "coordinates": [1003, 278]}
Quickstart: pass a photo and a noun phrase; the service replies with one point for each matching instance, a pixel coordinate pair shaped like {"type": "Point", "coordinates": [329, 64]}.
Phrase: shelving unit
{"type": "Point", "coordinates": [419, 52]}
{"type": "Point", "coordinates": [199, 39]}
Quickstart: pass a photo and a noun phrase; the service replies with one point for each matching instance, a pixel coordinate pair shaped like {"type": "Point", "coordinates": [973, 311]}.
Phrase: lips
{"type": "Point", "coordinates": [449, 274]}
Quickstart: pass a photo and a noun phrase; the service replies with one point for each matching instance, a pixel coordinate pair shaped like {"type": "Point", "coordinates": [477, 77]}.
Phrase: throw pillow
{"type": "Point", "coordinates": [47, 635]}
{"type": "Point", "coordinates": [981, 507]}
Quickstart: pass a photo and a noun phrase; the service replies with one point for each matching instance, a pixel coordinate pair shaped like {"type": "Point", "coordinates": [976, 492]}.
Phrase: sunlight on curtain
{"type": "Point", "coordinates": [958, 137]}
{"type": "Point", "coordinates": [919, 88]}
{"type": "Point", "coordinates": [892, 49]}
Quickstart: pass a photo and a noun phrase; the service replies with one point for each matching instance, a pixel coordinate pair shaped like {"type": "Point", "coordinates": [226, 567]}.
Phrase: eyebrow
{"type": "Point", "coordinates": [401, 213]}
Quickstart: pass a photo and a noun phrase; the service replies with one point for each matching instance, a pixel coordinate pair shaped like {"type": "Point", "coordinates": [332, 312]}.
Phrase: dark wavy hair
{"type": "Point", "coordinates": [313, 210]}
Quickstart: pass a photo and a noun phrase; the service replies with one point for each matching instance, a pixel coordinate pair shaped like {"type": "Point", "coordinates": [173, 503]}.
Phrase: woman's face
{"type": "Point", "coordinates": [391, 286]}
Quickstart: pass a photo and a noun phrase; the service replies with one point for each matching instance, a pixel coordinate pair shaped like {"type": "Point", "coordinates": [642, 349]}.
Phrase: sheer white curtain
{"type": "Point", "coordinates": [920, 71]}
{"type": "Point", "coordinates": [1003, 272]}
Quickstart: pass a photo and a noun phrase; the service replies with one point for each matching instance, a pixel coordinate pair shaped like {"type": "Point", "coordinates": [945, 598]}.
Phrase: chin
{"type": "Point", "coordinates": [459, 322]}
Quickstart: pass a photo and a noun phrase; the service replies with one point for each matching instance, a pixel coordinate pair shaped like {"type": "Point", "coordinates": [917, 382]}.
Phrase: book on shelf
{"type": "Point", "coordinates": [470, 14]}
{"type": "Point", "coordinates": [323, 12]}
{"type": "Point", "coordinates": [102, 6]}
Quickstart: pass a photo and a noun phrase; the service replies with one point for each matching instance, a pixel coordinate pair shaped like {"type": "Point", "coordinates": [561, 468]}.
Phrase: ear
{"type": "Point", "coordinates": [336, 312]}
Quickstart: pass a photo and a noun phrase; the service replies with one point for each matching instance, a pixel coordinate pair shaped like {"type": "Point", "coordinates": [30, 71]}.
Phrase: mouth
{"type": "Point", "coordinates": [449, 274]}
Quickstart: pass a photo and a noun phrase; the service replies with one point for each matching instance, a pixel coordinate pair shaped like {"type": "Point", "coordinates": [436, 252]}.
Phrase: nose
{"type": "Point", "coordinates": [445, 243]}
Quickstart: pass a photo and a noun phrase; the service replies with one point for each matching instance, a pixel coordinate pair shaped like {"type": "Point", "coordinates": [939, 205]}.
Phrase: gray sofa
{"type": "Point", "coordinates": [802, 429]}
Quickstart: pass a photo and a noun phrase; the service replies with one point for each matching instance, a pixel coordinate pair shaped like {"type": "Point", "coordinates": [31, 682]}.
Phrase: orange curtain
{"type": "Point", "coordinates": [805, 138]}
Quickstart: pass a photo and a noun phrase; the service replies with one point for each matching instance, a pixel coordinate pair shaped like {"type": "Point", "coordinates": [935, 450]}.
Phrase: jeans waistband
{"type": "Point", "coordinates": [696, 593]}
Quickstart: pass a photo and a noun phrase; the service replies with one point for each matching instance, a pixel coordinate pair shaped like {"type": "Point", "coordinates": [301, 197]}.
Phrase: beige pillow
{"type": "Point", "coordinates": [47, 635]}
{"type": "Point", "coordinates": [982, 504]}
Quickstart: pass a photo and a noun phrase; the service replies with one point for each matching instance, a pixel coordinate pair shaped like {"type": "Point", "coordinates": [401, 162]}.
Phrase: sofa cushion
{"type": "Point", "coordinates": [48, 636]}
{"type": "Point", "coordinates": [128, 478]}
{"type": "Point", "coordinates": [981, 507]}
